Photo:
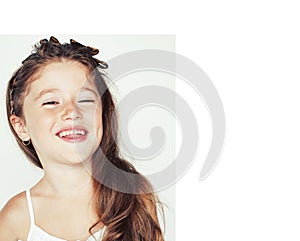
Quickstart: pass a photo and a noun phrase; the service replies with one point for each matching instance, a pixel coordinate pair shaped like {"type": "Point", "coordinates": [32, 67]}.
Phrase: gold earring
{"type": "Point", "coordinates": [26, 143]}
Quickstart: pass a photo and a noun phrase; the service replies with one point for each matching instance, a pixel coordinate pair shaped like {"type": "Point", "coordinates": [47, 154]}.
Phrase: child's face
{"type": "Point", "coordinates": [63, 114]}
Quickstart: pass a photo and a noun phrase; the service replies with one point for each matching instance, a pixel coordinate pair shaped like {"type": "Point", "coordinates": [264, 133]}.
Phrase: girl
{"type": "Point", "coordinates": [63, 118]}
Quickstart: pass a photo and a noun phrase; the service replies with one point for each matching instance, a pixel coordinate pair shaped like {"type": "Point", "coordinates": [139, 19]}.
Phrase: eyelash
{"type": "Point", "coordinates": [53, 102]}
{"type": "Point", "coordinates": [50, 102]}
{"type": "Point", "coordinates": [86, 101]}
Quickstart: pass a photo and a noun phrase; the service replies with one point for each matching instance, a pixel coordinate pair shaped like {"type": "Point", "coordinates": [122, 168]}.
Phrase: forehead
{"type": "Point", "coordinates": [66, 75]}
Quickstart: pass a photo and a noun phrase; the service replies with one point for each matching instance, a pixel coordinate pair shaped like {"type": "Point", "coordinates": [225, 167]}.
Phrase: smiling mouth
{"type": "Point", "coordinates": [73, 135]}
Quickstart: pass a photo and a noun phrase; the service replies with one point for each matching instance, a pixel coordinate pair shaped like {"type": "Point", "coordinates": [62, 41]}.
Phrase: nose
{"type": "Point", "coordinates": [71, 111]}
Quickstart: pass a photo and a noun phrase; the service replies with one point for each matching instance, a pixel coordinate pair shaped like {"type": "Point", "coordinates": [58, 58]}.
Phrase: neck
{"type": "Point", "coordinates": [68, 181]}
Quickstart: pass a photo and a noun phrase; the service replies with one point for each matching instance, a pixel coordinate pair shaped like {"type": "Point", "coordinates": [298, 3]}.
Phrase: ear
{"type": "Point", "coordinates": [19, 127]}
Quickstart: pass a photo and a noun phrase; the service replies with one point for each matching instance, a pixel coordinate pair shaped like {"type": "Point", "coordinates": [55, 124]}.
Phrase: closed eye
{"type": "Point", "coordinates": [52, 102]}
{"type": "Point", "coordinates": [86, 101]}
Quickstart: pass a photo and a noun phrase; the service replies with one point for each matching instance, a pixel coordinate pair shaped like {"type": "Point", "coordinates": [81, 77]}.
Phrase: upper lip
{"type": "Point", "coordinates": [70, 128]}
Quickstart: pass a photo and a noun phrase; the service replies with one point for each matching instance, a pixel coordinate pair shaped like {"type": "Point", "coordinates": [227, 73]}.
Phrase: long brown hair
{"type": "Point", "coordinates": [128, 216]}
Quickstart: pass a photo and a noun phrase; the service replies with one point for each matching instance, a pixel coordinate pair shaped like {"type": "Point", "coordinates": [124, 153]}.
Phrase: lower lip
{"type": "Point", "coordinates": [73, 138]}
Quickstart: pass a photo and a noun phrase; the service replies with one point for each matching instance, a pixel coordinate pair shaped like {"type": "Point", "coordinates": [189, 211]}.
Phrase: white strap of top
{"type": "Point", "coordinates": [30, 206]}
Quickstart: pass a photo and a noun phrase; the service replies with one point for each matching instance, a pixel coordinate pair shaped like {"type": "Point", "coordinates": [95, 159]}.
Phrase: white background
{"type": "Point", "coordinates": [250, 49]}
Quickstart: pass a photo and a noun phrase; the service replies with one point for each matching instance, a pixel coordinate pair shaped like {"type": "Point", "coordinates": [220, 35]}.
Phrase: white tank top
{"type": "Point", "coordinates": [38, 234]}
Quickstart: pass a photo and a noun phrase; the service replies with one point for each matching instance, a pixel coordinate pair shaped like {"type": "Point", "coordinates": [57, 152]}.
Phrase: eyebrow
{"type": "Point", "coordinates": [43, 92]}
{"type": "Point", "coordinates": [46, 91]}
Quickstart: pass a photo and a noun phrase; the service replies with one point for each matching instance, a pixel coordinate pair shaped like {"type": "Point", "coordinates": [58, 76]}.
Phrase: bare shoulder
{"type": "Point", "coordinates": [14, 218]}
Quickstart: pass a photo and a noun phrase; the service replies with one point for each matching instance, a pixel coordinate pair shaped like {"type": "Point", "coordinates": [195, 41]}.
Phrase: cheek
{"type": "Point", "coordinates": [98, 122]}
{"type": "Point", "coordinates": [38, 124]}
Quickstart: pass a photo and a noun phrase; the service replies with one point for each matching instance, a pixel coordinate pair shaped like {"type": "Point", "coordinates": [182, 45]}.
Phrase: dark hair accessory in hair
{"type": "Point", "coordinates": [54, 40]}
{"type": "Point", "coordinates": [92, 51]}
{"type": "Point", "coordinates": [43, 41]}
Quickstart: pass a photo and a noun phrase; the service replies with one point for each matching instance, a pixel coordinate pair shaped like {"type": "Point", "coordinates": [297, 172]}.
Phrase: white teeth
{"type": "Point", "coordinates": [71, 132]}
